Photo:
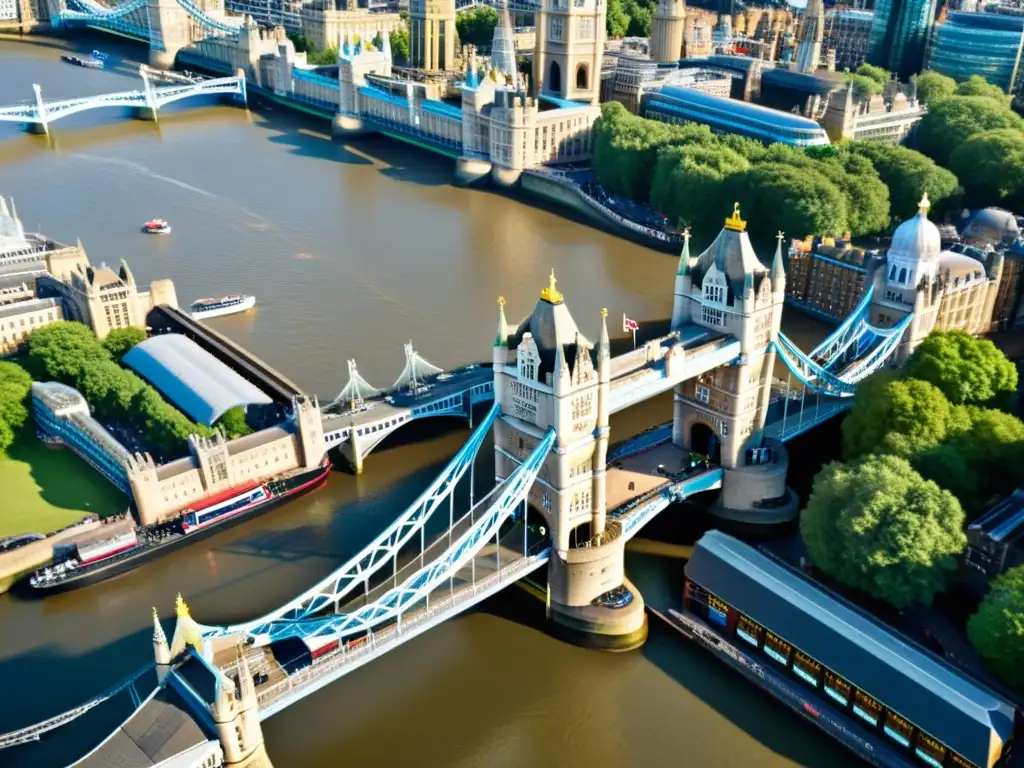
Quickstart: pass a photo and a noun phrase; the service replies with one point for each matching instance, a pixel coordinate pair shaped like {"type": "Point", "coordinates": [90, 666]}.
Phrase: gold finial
{"type": "Point", "coordinates": [180, 607]}
{"type": "Point", "coordinates": [501, 302]}
{"type": "Point", "coordinates": [925, 204]}
{"type": "Point", "coordinates": [734, 222]}
{"type": "Point", "coordinates": [604, 312]}
{"type": "Point", "coordinates": [686, 233]}
{"type": "Point", "coordinates": [551, 293]}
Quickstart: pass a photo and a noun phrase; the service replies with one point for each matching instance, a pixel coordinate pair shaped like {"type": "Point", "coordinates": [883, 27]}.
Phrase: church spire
{"type": "Point", "coordinates": [501, 338]}
{"type": "Point", "coordinates": [684, 255]}
{"type": "Point", "coordinates": [778, 272]}
{"type": "Point", "coordinates": [386, 45]}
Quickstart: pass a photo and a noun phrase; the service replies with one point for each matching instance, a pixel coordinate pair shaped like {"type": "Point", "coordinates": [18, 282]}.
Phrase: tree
{"type": "Point", "coordinates": [877, 74]}
{"type": "Point", "coordinates": [950, 122]}
{"type": "Point", "coordinates": [992, 448]}
{"type": "Point", "coordinates": [64, 349]}
{"type": "Point", "coordinates": [908, 174]}
{"type": "Point", "coordinates": [863, 87]}
{"type": "Point", "coordinates": [976, 85]}
{"type": "Point", "coordinates": [948, 467]}
{"type": "Point", "coordinates": [616, 21]}
{"type": "Point", "coordinates": [399, 39]}
{"type": "Point", "coordinates": [639, 13]}
{"type": "Point", "coordinates": [6, 437]}
{"type": "Point", "coordinates": [120, 340]}
{"type": "Point", "coordinates": [476, 26]}
{"type": "Point", "coordinates": [991, 165]}
{"type": "Point", "coordinates": [931, 87]}
{"type": "Point", "coordinates": [301, 42]}
{"type": "Point", "coordinates": [378, 41]}
{"type": "Point", "coordinates": [968, 371]}
{"type": "Point", "coordinates": [814, 206]}
{"type": "Point", "coordinates": [879, 527]}
{"type": "Point", "coordinates": [997, 629]}
{"type": "Point", "coordinates": [324, 57]}
{"type": "Point", "coordinates": [895, 416]}
{"type": "Point", "coordinates": [687, 184]}
{"type": "Point", "coordinates": [15, 384]}
{"type": "Point", "coordinates": [233, 423]}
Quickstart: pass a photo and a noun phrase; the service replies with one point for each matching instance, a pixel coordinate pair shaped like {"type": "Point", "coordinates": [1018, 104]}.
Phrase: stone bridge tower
{"type": "Point", "coordinates": [568, 49]}
{"type": "Point", "coordinates": [667, 29]}
{"type": "Point", "coordinates": [171, 30]}
{"type": "Point", "coordinates": [547, 375]}
{"type": "Point", "coordinates": [722, 413]}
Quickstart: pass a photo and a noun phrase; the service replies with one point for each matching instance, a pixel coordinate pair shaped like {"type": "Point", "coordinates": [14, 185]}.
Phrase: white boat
{"type": "Point", "coordinates": [156, 227]}
{"type": "Point", "coordinates": [225, 305]}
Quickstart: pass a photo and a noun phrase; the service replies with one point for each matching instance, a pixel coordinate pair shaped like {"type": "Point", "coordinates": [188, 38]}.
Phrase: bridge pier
{"type": "Point", "coordinates": [345, 126]}
{"type": "Point", "coordinates": [471, 171]}
{"type": "Point", "coordinates": [149, 114]}
{"type": "Point", "coordinates": [39, 129]}
{"type": "Point", "coordinates": [757, 493]}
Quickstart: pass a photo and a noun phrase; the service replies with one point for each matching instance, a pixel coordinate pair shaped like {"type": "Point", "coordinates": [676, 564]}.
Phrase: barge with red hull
{"type": "Point", "coordinates": [97, 561]}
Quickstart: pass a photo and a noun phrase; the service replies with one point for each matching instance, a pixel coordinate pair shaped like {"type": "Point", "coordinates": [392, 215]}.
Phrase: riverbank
{"type": "Point", "coordinates": [45, 489]}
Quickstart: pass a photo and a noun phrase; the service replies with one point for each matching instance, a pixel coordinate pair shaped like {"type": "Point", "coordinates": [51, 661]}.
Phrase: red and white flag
{"type": "Point", "coordinates": [629, 326]}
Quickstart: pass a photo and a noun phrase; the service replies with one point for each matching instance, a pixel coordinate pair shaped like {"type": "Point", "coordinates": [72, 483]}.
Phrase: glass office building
{"type": "Point", "coordinates": [985, 44]}
{"type": "Point", "coordinates": [899, 35]}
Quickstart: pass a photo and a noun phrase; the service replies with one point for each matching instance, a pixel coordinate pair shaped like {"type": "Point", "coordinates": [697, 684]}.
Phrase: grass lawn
{"type": "Point", "coordinates": [43, 489]}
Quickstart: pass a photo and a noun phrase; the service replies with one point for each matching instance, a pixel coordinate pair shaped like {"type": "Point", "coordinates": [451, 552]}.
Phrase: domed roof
{"type": "Point", "coordinates": [991, 226]}
{"type": "Point", "coordinates": [917, 238]}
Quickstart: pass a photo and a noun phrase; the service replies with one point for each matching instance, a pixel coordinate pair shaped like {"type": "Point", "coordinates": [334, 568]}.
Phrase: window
{"type": "Point", "coordinates": [903, 276]}
{"type": "Point", "coordinates": [806, 668]}
{"type": "Point", "coordinates": [555, 33]}
{"type": "Point", "coordinates": [898, 729]}
{"type": "Point", "coordinates": [718, 611]}
{"type": "Point", "coordinates": [837, 688]}
{"type": "Point", "coordinates": [703, 394]}
{"type": "Point", "coordinates": [585, 31]}
{"type": "Point", "coordinates": [581, 70]}
{"type": "Point", "coordinates": [866, 708]}
{"type": "Point", "coordinates": [714, 293]}
{"type": "Point", "coordinates": [749, 631]}
{"type": "Point", "coordinates": [777, 648]}
{"type": "Point", "coordinates": [932, 752]}
{"type": "Point", "coordinates": [712, 316]}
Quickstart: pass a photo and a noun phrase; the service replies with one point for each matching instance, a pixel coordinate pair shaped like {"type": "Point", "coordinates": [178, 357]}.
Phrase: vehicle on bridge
{"type": "Point", "coordinates": [85, 60]}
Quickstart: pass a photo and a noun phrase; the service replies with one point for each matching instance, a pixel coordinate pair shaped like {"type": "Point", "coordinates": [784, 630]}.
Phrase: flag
{"type": "Point", "coordinates": [629, 326]}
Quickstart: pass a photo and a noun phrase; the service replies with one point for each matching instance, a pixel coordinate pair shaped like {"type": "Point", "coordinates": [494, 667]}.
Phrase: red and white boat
{"type": "Point", "coordinates": [229, 503]}
{"type": "Point", "coordinates": [156, 227]}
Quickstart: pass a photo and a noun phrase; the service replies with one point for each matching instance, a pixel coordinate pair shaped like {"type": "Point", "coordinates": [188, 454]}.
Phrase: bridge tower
{"type": "Point", "coordinates": [236, 715]}
{"type": "Point", "coordinates": [161, 650]}
{"type": "Point", "coordinates": [568, 49]}
{"type": "Point", "coordinates": [721, 413]}
{"type": "Point", "coordinates": [547, 375]}
{"type": "Point", "coordinates": [432, 34]}
{"type": "Point", "coordinates": [171, 30]}
{"type": "Point", "coordinates": [667, 29]}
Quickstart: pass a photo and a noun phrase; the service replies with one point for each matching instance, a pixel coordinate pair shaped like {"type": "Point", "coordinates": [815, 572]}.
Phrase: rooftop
{"type": "Point", "coordinates": [904, 677]}
{"type": "Point", "coordinates": [1004, 522]}
{"type": "Point", "coordinates": [192, 378]}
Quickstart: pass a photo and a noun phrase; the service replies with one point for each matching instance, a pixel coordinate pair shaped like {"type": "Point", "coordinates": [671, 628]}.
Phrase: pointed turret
{"type": "Point", "coordinates": [501, 338]}
{"type": "Point", "coordinates": [560, 375]}
{"type": "Point", "coordinates": [683, 284]}
{"type": "Point", "coordinates": [778, 273]}
{"type": "Point", "coordinates": [604, 345]}
{"type": "Point", "coordinates": [386, 45]}
{"type": "Point", "coordinates": [684, 255]}
{"type": "Point", "coordinates": [186, 631]}
{"type": "Point", "coordinates": [161, 650]}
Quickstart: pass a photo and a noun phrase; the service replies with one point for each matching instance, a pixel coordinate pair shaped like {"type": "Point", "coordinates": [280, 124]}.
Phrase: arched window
{"type": "Point", "coordinates": [892, 273]}
{"type": "Point", "coordinates": [555, 78]}
{"type": "Point", "coordinates": [903, 276]}
{"type": "Point", "coordinates": [581, 76]}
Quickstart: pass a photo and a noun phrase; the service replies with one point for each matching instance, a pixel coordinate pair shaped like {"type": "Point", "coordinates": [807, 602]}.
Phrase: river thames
{"type": "Point", "coordinates": [351, 251]}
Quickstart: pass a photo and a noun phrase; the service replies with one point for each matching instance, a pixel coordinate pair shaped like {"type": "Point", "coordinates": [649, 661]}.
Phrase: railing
{"type": "Point", "coordinates": [33, 732]}
{"type": "Point", "coordinates": [380, 642]}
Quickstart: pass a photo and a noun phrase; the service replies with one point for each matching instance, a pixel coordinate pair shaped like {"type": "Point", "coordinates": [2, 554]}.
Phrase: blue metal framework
{"type": "Point", "coordinates": [330, 591]}
{"type": "Point", "coordinates": [132, 19]}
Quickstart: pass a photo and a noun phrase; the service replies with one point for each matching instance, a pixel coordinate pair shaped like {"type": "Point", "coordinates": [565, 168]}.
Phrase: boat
{"type": "Point", "coordinates": [96, 561]}
{"type": "Point", "coordinates": [224, 305]}
{"type": "Point", "coordinates": [156, 227]}
{"type": "Point", "coordinates": [85, 60]}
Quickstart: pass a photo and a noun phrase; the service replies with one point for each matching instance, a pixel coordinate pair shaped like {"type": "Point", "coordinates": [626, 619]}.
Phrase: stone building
{"type": "Point", "coordinates": [847, 33]}
{"type": "Point", "coordinates": [215, 465]}
{"type": "Point", "coordinates": [567, 54]}
{"type": "Point", "coordinates": [328, 24]}
{"type": "Point", "coordinates": [943, 289]}
{"type": "Point", "coordinates": [828, 277]}
{"type": "Point", "coordinates": [432, 34]}
{"type": "Point", "coordinates": [667, 30]}
{"type": "Point", "coordinates": [809, 39]}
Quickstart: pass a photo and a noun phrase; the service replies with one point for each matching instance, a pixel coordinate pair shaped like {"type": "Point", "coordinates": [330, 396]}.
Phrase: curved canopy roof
{"type": "Point", "coordinates": [193, 379]}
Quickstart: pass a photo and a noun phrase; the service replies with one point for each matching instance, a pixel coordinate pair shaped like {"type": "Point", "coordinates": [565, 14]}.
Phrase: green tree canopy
{"type": "Point", "coordinates": [6, 438]}
{"type": "Point", "coordinates": [948, 467]}
{"type": "Point", "coordinates": [399, 39]}
{"type": "Point", "coordinates": [324, 57]}
{"type": "Point", "coordinates": [993, 448]}
{"type": "Point", "coordinates": [863, 87]}
{"type": "Point", "coordinates": [233, 423]}
{"type": "Point", "coordinates": [639, 13]}
{"type": "Point", "coordinates": [950, 122]}
{"type": "Point", "coordinates": [877, 74]}
{"type": "Point", "coordinates": [908, 174]}
{"type": "Point", "coordinates": [997, 629]}
{"type": "Point", "coordinates": [976, 85]}
{"type": "Point", "coordinates": [476, 26]}
{"type": "Point", "coordinates": [897, 416]}
{"type": "Point", "coordinates": [968, 371]}
{"type": "Point", "coordinates": [120, 340]}
{"type": "Point", "coordinates": [64, 350]}
{"type": "Point", "coordinates": [878, 526]}
{"type": "Point", "coordinates": [688, 182]}
{"type": "Point", "coordinates": [616, 21]}
{"type": "Point", "coordinates": [813, 203]}
{"type": "Point", "coordinates": [931, 86]}
{"type": "Point", "coordinates": [991, 167]}
{"type": "Point", "coordinates": [15, 385]}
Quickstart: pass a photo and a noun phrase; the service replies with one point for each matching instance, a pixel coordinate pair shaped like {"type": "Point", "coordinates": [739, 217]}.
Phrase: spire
{"type": "Point", "coordinates": [501, 339]}
{"type": "Point", "coordinates": [561, 372]}
{"type": "Point", "coordinates": [734, 223]}
{"type": "Point", "coordinates": [158, 631]}
{"type": "Point", "coordinates": [684, 256]}
{"type": "Point", "coordinates": [924, 205]}
{"type": "Point", "coordinates": [551, 294]}
{"type": "Point", "coordinates": [603, 343]}
{"type": "Point", "coordinates": [778, 272]}
{"type": "Point", "coordinates": [386, 45]}
{"type": "Point", "coordinates": [180, 607]}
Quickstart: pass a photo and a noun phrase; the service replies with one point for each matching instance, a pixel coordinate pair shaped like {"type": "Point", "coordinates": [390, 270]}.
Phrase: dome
{"type": "Point", "coordinates": [991, 226]}
{"type": "Point", "coordinates": [917, 238]}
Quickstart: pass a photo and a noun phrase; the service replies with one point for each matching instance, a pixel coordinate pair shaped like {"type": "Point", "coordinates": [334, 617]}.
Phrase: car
{"type": "Point", "coordinates": [260, 678]}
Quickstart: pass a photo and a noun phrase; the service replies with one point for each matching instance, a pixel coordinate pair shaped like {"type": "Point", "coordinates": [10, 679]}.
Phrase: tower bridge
{"type": "Point", "coordinates": [563, 497]}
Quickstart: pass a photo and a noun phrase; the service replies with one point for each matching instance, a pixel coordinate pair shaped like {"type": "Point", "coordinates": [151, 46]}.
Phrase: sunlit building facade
{"type": "Point", "coordinates": [986, 44]}
{"type": "Point", "coordinates": [899, 35]}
